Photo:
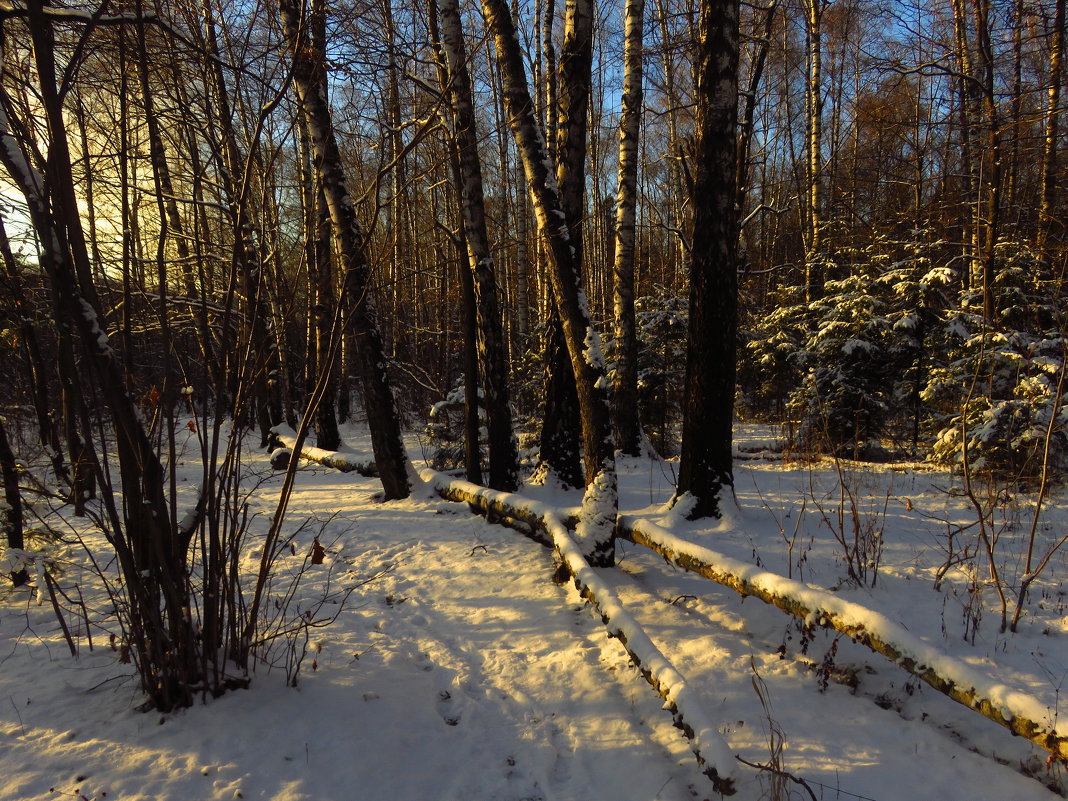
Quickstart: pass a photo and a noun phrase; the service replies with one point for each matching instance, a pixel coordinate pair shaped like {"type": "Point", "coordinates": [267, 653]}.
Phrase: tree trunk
{"type": "Point", "coordinates": [625, 378]}
{"type": "Point", "coordinates": [382, 416]}
{"type": "Point", "coordinates": [596, 530]}
{"type": "Point", "coordinates": [11, 514]}
{"type": "Point", "coordinates": [814, 148]}
{"type": "Point", "coordinates": [1048, 222]}
{"type": "Point", "coordinates": [944, 673]}
{"type": "Point", "coordinates": [705, 470]}
{"type": "Point", "coordinates": [503, 459]}
{"type": "Point", "coordinates": [988, 208]}
{"type": "Point", "coordinates": [321, 267]}
{"type": "Point", "coordinates": [559, 451]}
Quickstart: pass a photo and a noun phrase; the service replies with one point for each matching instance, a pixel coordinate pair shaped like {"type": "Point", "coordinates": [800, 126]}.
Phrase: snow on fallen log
{"type": "Point", "coordinates": [712, 752]}
{"type": "Point", "coordinates": [286, 437]}
{"type": "Point", "coordinates": [1022, 714]}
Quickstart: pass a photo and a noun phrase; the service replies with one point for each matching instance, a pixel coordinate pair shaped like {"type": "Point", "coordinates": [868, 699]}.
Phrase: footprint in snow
{"type": "Point", "coordinates": [450, 715]}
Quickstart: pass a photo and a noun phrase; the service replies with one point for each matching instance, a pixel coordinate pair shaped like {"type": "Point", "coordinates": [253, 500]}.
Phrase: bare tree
{"type": "Point", "coordinates": [1047, 217]}
{"type": "Point", "coordinates": [390, 457]}
{"type": "Point", "coordinates": [596, 527]}
{"type": "Point", "coordinates": [705, 470]}
{"type": "Point", "coordinates": [503, 467]}
{"type": "Point", "coordinates": [625, 379]}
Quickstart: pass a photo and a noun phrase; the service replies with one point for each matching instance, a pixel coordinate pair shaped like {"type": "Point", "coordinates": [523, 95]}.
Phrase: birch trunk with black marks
{"type": "Point", "coordinates": [814, 147]}
{"type": "Point", "coordinates": [989, 201]}
{"type": "Point", "coordinates": [382, 416]}
{"type": "Point", "coordinates": [600, 501]}
{"type": "Point", "coordinates": [503, 457]}
{"type": "Point", "coordinates": [1048, 222]}
{"type": "Point", "coordinates": [559, 451]}
{"type": "Point", "coordinates": [625, 379]}
{"type": "Point", "coordinates": [705, 469]}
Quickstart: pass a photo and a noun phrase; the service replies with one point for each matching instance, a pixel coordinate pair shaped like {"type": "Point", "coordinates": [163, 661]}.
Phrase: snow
{"type": "Point", "coordinates": [29, 179]}
{"type": "Point", "coordinates": [856, 619]}
{"type": "Point", "coordinates": [457, 670]}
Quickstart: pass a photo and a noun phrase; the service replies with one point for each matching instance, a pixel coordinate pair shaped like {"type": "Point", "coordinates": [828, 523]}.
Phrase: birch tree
{"type": "Point", "coordinates": [382, 418]}
{"type": "Point", "coordinates": [625, 378]}
{"type": "Point", "coordinates": [600, 501]}
{"type": "Point", "coordinates": [1048, 193]}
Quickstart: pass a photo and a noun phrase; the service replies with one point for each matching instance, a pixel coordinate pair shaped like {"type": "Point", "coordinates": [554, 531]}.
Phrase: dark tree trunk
{"type": "Point", "coordinates": [560, 452]}
{"type": "Point", "coordinates": [503, 459]}
{"type": "Point", "coordinates": [321, 270]}
{"type": "Point", "coordinates": [706, 471]}
{"type": "Point", "coordinates": [382, 417]}
{"type": "Point", "coordinates": [11, 515]}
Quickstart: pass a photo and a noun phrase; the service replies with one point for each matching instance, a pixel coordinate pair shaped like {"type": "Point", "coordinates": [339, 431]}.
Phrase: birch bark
{"type": "Point", "coordinates": [625, 378]}
{"type": "Point", "coordinates": [1046, 215]}
{"type": "Point", "coordinates": [382, 416]}
{"type": "Point", "coordinates": [600, 501]}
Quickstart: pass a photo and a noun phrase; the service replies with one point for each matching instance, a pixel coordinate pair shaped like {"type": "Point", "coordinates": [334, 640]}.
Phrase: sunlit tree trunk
{"type": "Point", "coordinates": [596, 527]}
{"type": "Point", "coordinates": [1047, 220]}
{"type": "Point", "coordinates": [814, 146]}
{"type": "Point", "coordinates": [625, 379]}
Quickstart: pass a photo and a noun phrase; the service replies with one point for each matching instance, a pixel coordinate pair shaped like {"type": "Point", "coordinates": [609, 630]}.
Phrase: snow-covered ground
{"type": "Point", "coordinates": [461, 671]}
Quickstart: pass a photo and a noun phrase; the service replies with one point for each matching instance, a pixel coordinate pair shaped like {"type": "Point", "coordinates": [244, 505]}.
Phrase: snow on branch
{"type": "Point", "coordinates": [708, 745]}
{"type": "Point", "coordinates": [9, 10]}
{"type": "Point", "coordinates": [1019, 712]}
{"type": "Point", "coordinates": [286, 437]}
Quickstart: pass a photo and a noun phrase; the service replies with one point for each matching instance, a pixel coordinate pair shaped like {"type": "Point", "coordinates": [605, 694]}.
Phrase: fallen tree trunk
{"type": "Point", "coordinates": [286, 437]}
{"type": "Point", "coordinates": [712, 752]}
{"type": "Point", "coordinates": [1020, 713]}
